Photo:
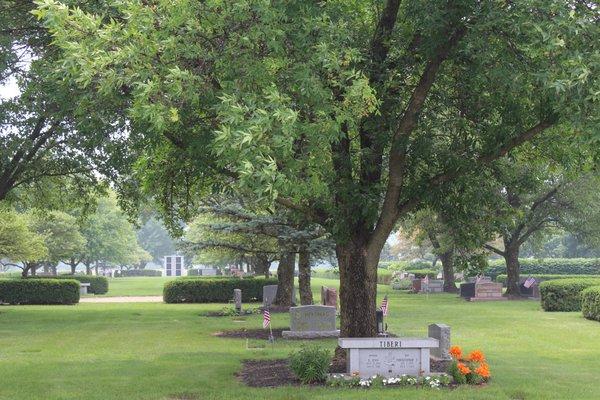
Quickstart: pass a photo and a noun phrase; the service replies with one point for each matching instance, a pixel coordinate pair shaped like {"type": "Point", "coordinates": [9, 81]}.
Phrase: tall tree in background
{"type": "Point", "coordinates": [110, 237]}
{"type": "Point", "coordinates": [351, 114]}
{"type": "Point", "coordinates": [260, 238]}
{"type": "Point", "coordinates": [155, 239]}
{"type": "Point", "coordinates": [61, 236]}
{"type": "Point", "coordinates": [18, 243]}
{"type": "Point", "coordinates": [546, 185]}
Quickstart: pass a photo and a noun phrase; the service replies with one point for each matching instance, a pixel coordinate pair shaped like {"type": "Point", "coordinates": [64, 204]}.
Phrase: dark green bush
{"type": "Point", "coordinates": [590, 303]}
{"type": "Point", "coordinates": [557, 266]}
{"type": "Point", "coordinates": [422, 273]}
{"type": "Point", "coordinates": [98, 284]}
{"type": "Point", "coordinates": [310, 364]}
{"type": "Point", "coordinates": [545, 277]}
{"type": "Point", "coordinates": [211, 290]}
{"type": "Point", "coordinates": [565, 294]}
{"type": "Point", "coordinates": [138, 272]}
{"type": "Point", "coordinates": [39, 291]}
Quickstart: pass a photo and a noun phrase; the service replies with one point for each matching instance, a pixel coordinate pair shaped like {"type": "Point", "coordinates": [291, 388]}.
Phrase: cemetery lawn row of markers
{"type": "Point", "coordinates": [165, 351]}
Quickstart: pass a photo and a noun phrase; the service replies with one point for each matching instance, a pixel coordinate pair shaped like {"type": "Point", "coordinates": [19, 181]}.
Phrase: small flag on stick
{"type": "Point", "coordinates": [529, 282]}
{"type": "Point", "coordinates": [266, 318]}
{"type": "Point", "coordinates": [384, 306]}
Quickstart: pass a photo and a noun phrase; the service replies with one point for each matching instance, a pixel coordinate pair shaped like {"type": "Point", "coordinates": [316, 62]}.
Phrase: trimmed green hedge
{"type": "Point", "coordinates": [422, 273]}
{"type": "Point", "coordinates": [39, 291]}
{"type": "Point", "coordinates": [138, 272]}
{"type": "Point", "coordinates": [411, 266]}
{"type": "Point", "coordinates": [545, 277]}
{"type": "Point", "coordinates": [98, 284]}
{"type": "Point", "coordinates": [565, 294]}
{"type": "Point", "coordinates": [207, 290]}
{"type": "Point", "coordinates": [590, 303]}
{"type": "Point", "coordinates": [552, 266]}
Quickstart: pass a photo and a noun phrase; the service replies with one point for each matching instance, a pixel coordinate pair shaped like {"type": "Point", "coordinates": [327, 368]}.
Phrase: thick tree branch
{"type": "Point", "coordinates": [407, 124]}
{"type": "Point", "coordinates": [494, 249]}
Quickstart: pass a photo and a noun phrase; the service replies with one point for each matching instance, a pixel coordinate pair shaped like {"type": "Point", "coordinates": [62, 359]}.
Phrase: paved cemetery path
{"type": "Point", "coordinates": [122, 299]}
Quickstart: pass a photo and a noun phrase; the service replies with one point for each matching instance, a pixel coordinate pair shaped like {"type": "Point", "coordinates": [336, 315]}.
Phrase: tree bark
{"type": "Point", "coordinates": [513, 269]}
{"type": "Point", "coordinates": [447, 259]}
{"type": "Point", "coordinates": [358, 289]}
{"type": "Point", "coordinates": [306, 297]}
{"type": "Point", "coordinates": [285, 279]}
{"type": "Point", "coordinates": [73, 263]}
{"type": "Point", "coordinates": [260, 264]}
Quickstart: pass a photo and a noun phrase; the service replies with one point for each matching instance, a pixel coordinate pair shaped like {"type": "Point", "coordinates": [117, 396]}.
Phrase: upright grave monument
{"type": "Point", "coordinates": [311, 322]}
{"type": "Point", "coordinates": [441, 333]}
{"type": "Point", "coordinates": [328, 296]}
{"type": "Point", "coordinates": [270, 293]}
{"type": "Point", "coordinates": [388, 357]}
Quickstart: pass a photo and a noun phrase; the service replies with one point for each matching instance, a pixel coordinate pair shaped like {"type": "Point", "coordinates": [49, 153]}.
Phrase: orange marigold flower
{"type": "Point", "coordinates": [456, 352]}
{"type": "Point", "coordinates": [463, 368]}
{"type": "Point", "coordinates": [483, 370]}
{"type": "Point", "coordinates": [477, 356]}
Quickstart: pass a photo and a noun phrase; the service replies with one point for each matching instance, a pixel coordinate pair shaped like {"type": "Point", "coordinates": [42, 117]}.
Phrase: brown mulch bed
{"type": "Point", "coordinates": [272, 373]}
{"type": "Point", "coordinates": [250, 333]}
{"type": "Point", "coordinates": [267, 373]}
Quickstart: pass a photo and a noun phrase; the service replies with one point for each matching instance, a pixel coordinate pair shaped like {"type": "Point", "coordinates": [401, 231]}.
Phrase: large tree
{"type": "Point", "coordinates": [19, 244]}
{"type": "Point", "coordinates": [61, 236]}
{"type": "Point", "coordinates": [45, 130]}
{"type": "Point", "coordinates": [352, 114]}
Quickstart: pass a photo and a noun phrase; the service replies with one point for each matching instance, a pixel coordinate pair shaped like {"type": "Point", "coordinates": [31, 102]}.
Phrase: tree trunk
{"type": "Point", "coordinates": [96, 268]}
{"type": "Point", "coordinates": [260, 264]}
{"type": "Point", "coordinates": [447, 259]}
{"type": "Point", "coordinates": [285, 279]}
{"type": "Point", "coordinates": [358, 289]}
{"type": "Point", "coordinates": [306, 297]}
{"type": "Point", "coordinates": [73, 264]}
{"type": "Point", "coordinates": [513, 270]}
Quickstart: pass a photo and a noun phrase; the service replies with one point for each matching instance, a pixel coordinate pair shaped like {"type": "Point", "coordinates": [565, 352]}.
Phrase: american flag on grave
{"type": "Point", "coordinates": [384, 306]}
{"type": "Point", "coordinates": [529, 282]}
{"type": "Point", "coordinates": [266, 318]}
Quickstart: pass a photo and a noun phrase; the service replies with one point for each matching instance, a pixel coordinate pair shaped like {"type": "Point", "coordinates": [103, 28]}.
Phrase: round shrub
{"type": "Point", "coordinates": [39, 291]}
{"type": "Point", "coordinates": [564, 294]}
{"type": "Point", "coordinates": [211, 290]}
{"type": "Point", "coordinates": [590, 303]}
{"type": "Point", "coordinates": [98, 284]}
{"type": "Point", "coordinates": [310, 364]}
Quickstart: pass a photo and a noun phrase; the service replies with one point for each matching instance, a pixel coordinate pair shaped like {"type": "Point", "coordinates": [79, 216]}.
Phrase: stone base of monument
{"type": "Point", "coordinates": [310, 334]}
{"type": "Point", "coordinates": [388, 357]}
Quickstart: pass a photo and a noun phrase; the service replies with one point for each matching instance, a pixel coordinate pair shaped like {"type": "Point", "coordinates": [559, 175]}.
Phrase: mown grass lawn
{"type": "Point", "coordinates": [162, 351]}
{"type": "Point", "coordinates": [137, 286]}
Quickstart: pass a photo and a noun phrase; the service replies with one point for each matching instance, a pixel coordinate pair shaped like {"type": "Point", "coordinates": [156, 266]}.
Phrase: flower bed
{"type": "Point", "coordinates": [471, 370]}
{"type": "Point", "coordinates": [435, 381]}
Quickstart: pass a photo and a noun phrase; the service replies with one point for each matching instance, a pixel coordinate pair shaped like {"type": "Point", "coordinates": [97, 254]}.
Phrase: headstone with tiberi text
{"type": "Point", "coordinates": [237, 298]}
{"type": "Point", "coordinates": [441, 332]}
{"type": "Point", "coordinates": [312, 322]}
{"type": "Point", "coordinates": [388, 357]}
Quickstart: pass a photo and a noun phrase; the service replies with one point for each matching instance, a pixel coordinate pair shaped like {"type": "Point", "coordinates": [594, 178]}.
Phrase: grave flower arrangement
{"type": "Point", "coordinates": [435, 382]}
{"type": "Point", "coordinates": [472, 369]}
